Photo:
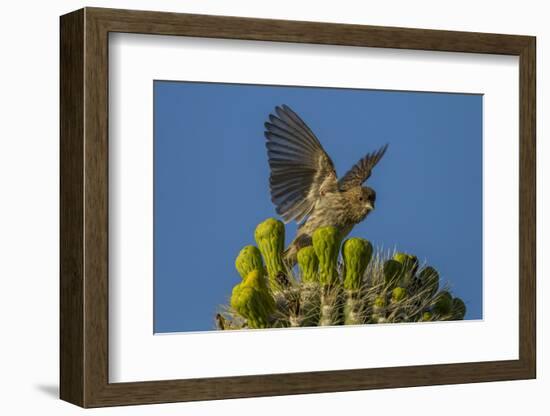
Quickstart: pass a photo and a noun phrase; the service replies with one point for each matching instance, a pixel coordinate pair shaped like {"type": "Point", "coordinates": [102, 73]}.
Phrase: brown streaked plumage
{"type": "Point", "coordinates": [303, 182]}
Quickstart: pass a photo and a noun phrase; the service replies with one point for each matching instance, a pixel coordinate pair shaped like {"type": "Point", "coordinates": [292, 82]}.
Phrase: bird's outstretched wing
{"type": "Point", "coordinates": [361, 171]}
{"type": "Point", "coordinates": [301, 170]}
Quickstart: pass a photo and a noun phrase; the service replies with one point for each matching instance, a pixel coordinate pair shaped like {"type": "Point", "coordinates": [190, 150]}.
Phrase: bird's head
{"type": "Point", "coordinates": [362, 200]}
{"type": "Point", "coordinates": [368, 196]}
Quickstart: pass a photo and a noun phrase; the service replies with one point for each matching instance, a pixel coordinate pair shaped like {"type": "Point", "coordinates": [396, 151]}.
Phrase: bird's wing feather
{"type": "Point", "coordinates": [361, 171]}
{"type": "Point", "coordinates": [301, 170]}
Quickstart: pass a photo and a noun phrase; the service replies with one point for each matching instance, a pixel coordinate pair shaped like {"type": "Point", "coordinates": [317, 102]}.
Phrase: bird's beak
{"type": "Point", "coordinates": [370, 206]}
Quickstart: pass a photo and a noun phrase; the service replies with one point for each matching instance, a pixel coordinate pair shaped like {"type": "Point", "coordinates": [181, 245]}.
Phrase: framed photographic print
{"type": "Point", "coordinates": [256, 207]}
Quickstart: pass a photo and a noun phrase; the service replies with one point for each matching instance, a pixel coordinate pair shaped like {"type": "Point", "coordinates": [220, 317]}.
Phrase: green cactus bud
{"type": "Point", "coordinates": [235, 294]}
{"type": "Point", "coordinates": [252, 299]}
{"type": "Point", "coordinates": [407, 260]}
{"type": "Point", "coordinates": [326, 242]}
{"type": "Point", "coordinates": [249, 259]}
{"type": "Point", "coordinates": [379, 302]}
{"type": "Point", "coordinates": [409, 265]}
{"type": "Point", "coordinates": [357, 253]}
{"type": "Point", "coordinates": [308, 264]}
{"type": "Point", "coordinates": [443, 303]}
{"type": "Point", "coordinates": [392, 272]}
{"type": "Point", "coordinates": [398, 294]}
{"type": "Point", "coordinates": [426, 317]}
{"type": "Point", "coordinates": [458, 309]}
{"type": "Point", "coordinates": [270, 238]}
{"type": "Point", "coordinates": [429, 280]}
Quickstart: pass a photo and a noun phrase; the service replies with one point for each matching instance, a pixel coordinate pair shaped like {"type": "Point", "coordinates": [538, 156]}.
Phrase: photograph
{"type": "Point", "coordinates": [282, 206]}
{"type": "Point", "coordinates": [259, 203]}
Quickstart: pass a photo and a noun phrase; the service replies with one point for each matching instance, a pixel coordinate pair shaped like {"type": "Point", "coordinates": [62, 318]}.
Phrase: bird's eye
{"type": "Point", "coordinates": [360, 198]}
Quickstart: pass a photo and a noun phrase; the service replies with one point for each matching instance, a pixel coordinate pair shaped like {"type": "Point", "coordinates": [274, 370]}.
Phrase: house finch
{"type": "Point", "coordinates": [303, 182]}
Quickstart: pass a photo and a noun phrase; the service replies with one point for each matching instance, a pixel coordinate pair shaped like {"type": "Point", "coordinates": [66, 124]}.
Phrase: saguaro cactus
{"type": "Point", "coordinates": [398, 294]}
{"type": "Point", "coordinates": [252, 299]}
{"type": "Point", "coordinates": [409, 267]}
{"type": "Point", "coordinates": [356, 253]}
{"type": "Point", "coordinates": [426, 316]}
{"type": "Point", "coordinates": [429, 280]}
{"type": "Point", "coordinates": [249, 259]}
{"type": "Point", "coordinates": [392, 273]}
{"type": "Point", "coordinates": [270, 238]}
{"type": "Point", "coordinates": [458, 309]}
{"type": "Point", "coordinates": [379, 309]}
{"type": "Point", "coordinates": [308, 264]}
{"type": "Point", "coordinates": [326, 243]}
{"type": "Point", "coordinates": [366, 288]}
{"type": "Point", "coordinates": [443, 304]}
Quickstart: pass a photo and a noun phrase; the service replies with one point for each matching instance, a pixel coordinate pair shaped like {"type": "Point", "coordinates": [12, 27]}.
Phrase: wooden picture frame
{"type": "Point", "coordinates": [84, 207]}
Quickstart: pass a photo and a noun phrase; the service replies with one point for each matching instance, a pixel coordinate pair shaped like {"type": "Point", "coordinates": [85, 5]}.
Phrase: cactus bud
{"type": "Point", "coordinates": [392, 272]}
{"type": "Point", "coordinates": [407, 260]}
{"type": "Point", "coordinates": [270, 238]}
{"type": "Point", "coordinates": [409, 265]}
{"type": "Point", "coordinates": [249, 259]}
{"type": "Point", "coordinates": [379, 303]}
{"type": "Point", "coordinates": [426, 317]}
{"type": "Point", "coordinates": [252, 299]}
{"type": "Point", "coordinates": [235, 293]}
{"type": "Point", "coordinates": [398, 294]}
{"type": "Point", "coordinates": [308, 263]}
{"type": "Point", "coordinates": [458, 309]}
{"type": "Point", "coordinates": [379, 310]}
{"type": "Point", "coordinates": [429, 280]}
{"type": "Point", "coordinates": [357, 254]}
{"type": "Point", "coordinates": [326, 243]}
{"type": "Point", "coordinates": [443, 303]}
{"type": "Point", "coordinates": [235, 299]}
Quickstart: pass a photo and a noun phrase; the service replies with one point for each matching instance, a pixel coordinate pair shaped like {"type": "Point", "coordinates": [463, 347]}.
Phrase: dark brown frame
{"type": "Point", "coordinates": [84, 208]}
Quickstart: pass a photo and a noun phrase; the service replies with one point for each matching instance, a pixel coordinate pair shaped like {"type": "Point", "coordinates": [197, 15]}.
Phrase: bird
{"type": "Point", "coordinates": [303, 183]}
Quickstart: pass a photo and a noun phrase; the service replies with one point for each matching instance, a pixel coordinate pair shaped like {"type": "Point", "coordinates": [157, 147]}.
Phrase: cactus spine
{"type": "Point", "coordinates": [392, 273]}
{"type": "Point", "coordinates": [429, 280]}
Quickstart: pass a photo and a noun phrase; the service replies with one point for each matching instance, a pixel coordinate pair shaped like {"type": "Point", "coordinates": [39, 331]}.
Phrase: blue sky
{"type": "Point", "coordinates": [211, 183]}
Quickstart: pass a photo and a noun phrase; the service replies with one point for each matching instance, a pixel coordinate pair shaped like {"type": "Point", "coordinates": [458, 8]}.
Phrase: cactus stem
{"type": "Point", "coordinates": [331, 306]}
{"type": "Point", "coordinates": [354, 308]}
